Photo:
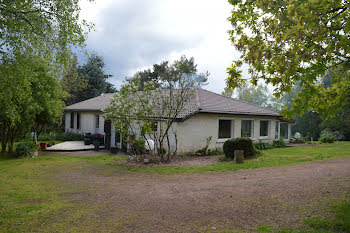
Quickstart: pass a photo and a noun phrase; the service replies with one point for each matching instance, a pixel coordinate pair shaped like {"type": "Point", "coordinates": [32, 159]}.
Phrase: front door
{"type": "Point", "coordinates": [108, 134]}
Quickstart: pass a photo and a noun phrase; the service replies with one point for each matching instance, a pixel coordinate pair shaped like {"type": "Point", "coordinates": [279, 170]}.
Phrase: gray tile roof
{"type": "Point", "coordinates": [94, 104]}
{"type": "Point", "coordinates": [203, 101]}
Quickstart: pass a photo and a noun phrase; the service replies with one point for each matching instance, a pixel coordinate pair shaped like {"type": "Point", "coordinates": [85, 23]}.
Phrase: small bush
{"type": "Point", "coordinates": [69, 137]}
{"type": "Point", "coordinates": [51, 143]}
{"type": "Point", "coordinates": [337, 135]}
{"type": "Point", "coordinates": [279, 143]}
{"type": "Point", "coordinates": [326, 139]}
{"type": "Point", "coordinates": [216, 151]}
{"type": "Point", "coordinates": [245, 144]}
{"type": "Point", "coordinates": [45, 137]}
{"type": "Point", "coordinates": [263, 146]}
{"type": "Point", "coordinates": [26, 149]}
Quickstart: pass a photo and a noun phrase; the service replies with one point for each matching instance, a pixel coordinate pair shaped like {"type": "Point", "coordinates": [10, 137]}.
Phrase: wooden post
{"type": "Point", "coordinates": [239, 156]}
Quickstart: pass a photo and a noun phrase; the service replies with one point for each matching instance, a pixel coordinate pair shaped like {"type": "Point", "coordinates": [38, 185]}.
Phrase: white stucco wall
{"type": "Point", "coordinates": [193, 132]}
{"type": "Point", "coordinates": [87, 123]}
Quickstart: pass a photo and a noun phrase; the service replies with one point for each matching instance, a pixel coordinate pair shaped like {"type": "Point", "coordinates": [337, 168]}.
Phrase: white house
{"type": "Point", "coordinates": [207, 114]}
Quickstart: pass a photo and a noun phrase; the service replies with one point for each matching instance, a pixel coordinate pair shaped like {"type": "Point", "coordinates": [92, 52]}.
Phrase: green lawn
{"type": "Point", "coordinates": [30, 196]}
{"type": "Point", "coordinates": [268, 158]}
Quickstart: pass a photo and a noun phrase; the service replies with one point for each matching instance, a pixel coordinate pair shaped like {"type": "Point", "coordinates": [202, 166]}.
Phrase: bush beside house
{"type": "Point", "coordinates": [245, 144]}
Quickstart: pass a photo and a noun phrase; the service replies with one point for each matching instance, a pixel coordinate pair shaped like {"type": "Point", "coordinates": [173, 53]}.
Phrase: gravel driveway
{"type": "Point", "coordinates": [207, 202]}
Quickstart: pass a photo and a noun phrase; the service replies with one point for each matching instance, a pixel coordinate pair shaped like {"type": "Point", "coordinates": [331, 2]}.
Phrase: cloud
{"type": "Point", "coordinates": [133, 35]}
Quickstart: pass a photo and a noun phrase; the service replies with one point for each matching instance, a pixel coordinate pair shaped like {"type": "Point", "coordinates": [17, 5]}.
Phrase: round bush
{"type": "Point", "coordinates": [245, 144]}
{"type": "Point", "coordinates": [26, 149]}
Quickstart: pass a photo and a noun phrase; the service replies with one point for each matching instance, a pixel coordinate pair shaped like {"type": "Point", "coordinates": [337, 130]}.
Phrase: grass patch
{"type": "Point", "coordinates": [268, 158]}
{"type": "Point", "coordinates": [341, 221]}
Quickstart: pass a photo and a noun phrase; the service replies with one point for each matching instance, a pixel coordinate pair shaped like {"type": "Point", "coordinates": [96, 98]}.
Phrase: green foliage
{"type": "Point", "coordinates": [163, 71]}
{"type": "Point", "coordinates": [341, 222]}
{"type": "Point", "coordinates": [326, 139]}
{"type": "Point", "coordinates": [47, 28]}
{"type": "Point", "coordinates": [161, 100]}
{"type": "Point", "coordinates": [26, 149]}
{"type": "Point", "coordinates": [215, 151]}
{"type": "Point", "coordinates": [31, 97]}
{"type": "Point", "coordinates": [258, 95]}
{"type": "Point", "coordinates": [204, 150]}
{"type": "Point", "coordinates": [245, 144]}
{"type": "Point", "coordinates": [301, 140]}
{"type": "Point", "coordinates": [336, 135]}
{"type": "Point", "coordinates": [95, 79]}
{"type": "Point", "coordinates": [263, 145]}
{"type": "Point", "coordinates": [69, 137]}
{"type": "Point", "coordinates": [280, 41]}
{"type": "Point", "coordinates": [279, 143]}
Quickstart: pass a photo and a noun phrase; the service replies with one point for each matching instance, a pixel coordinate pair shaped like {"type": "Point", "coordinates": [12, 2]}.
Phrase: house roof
{"type": "Point", "coordinates": [94, 104]}
{"type": "Point", "coordinates": [202, 101]}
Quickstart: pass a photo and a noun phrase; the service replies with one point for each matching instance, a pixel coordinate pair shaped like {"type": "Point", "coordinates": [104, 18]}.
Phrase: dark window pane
{"type": "Point", "coordinates": [225, 128]}
{"type": "Point", "coordinates": [72, 120]}
{"type": "Point", "coordinates": [97, 121]}
{"type": "Point", "coordinates": [264, 128]}
{"type": "Point", "coordinates": [78, 120]}
{"type": "Point", "coordinates": [284, 130]}
{"type": "Point", "coordinates": [246, 130]}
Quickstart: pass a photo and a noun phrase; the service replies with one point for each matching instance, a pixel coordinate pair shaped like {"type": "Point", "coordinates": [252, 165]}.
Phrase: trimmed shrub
{"type": "Point", "coordinates": [279, 143]}
{"type": "Point", "coordinates": [245, 144]}
{"type": "Point", "coordinates": [44, 137]}
{"type": "Point", "coordinates": [263, 146]}
{"type": "Point", "coordinates": [69, 137]}
{"type": "Point", "coordinates": [326, 139]}
{"type": "Point", "coordinates": [26, 149]}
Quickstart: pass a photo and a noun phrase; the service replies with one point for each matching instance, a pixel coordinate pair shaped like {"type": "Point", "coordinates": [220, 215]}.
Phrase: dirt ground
{"type": "Point", "coordinates": [206, 202]}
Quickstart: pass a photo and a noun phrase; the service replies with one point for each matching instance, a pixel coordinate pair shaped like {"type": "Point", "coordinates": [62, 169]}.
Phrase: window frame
{"type": "Point", "coordinates": [72, 120]}
{"type": "Point", "coordinates": [287, 127]}
{"type": "Point", "coordinates": [268, 128]}
{"type": "Point", "coordinates": [232, 127]}
{"type": "Point", "coordinates": [97, 121]}
{"type": "Point", "coordinates": [251, 125]}
{"type": "Point", "coordinates": [278, 129]}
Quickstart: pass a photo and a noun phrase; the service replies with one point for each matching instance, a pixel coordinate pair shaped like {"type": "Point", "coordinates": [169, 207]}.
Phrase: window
{"type": "Point", "coordinates": [97, 121]}
{"type": "Point", "coordinates": [225, 129]}
{"type": "Point", "coordinates": [284, 130]}
{"type": "Point", "coordinates": [264, 128]}
{"type": "Point", "coordinates": [78, 120]}
{"type": "Point", "coordinates": [72, 120]}
{"type": "Point", "coordinates": [247, 128]}
{"type": "Point", "coordinates": [277, 130]}
{"type": "Point", "coordinates": [154, 126]}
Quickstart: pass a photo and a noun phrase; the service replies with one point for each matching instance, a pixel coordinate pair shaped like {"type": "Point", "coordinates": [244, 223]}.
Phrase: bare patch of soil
{"type": "Point", "coordinates": [209, 202]}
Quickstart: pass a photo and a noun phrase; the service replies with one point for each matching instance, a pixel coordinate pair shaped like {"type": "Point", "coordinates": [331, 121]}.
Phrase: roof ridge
{"type": "Point", "coordinates": [241, 101]}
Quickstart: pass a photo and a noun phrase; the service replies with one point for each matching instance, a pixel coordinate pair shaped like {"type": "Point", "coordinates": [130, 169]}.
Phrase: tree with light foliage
{"type": "Point", "coordinates": [134, 113]}
{"type": "Point", "coordinates": [47, 29]}
{"type": "Point", "coordinates": [285, 42]}
{"type": "Point", "coordinates": [29, 100]}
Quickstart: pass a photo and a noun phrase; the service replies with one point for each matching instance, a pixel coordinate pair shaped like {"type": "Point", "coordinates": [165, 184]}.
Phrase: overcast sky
{"type": "Point", "coordinates": [133, 35]}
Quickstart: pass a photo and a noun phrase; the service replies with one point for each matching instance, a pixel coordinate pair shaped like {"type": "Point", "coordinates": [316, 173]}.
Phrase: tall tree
{"type": "Point", "coordinates": [92, 80]}
{"type": "Point", "coordinates": [73, 83]}
{"type": "Point", "coordinates": [289, 41]}
{"type": "Point", "coordinates": [46, 28]}
{"type": "Point", "coordinates": [31, 97]}
{"type": "Point", "coordinates": [133, 111]}
{"type": "Point", "coordinates": [161, 70]}
{"type": "Point", "coordinates": [259, 95]}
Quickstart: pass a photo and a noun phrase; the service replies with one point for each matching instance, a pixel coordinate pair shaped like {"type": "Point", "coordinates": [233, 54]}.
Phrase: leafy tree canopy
{"type": "Point", "coordinates": [86, 81]}
{"type": "Point", "coordinates": [30, 97]}
{"type": "Point", "coordinates": [48, 28]}
{"type": "Point", "coordinates": [164, 70]}
{"type": "Point", "coordinates": [285, 42]}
